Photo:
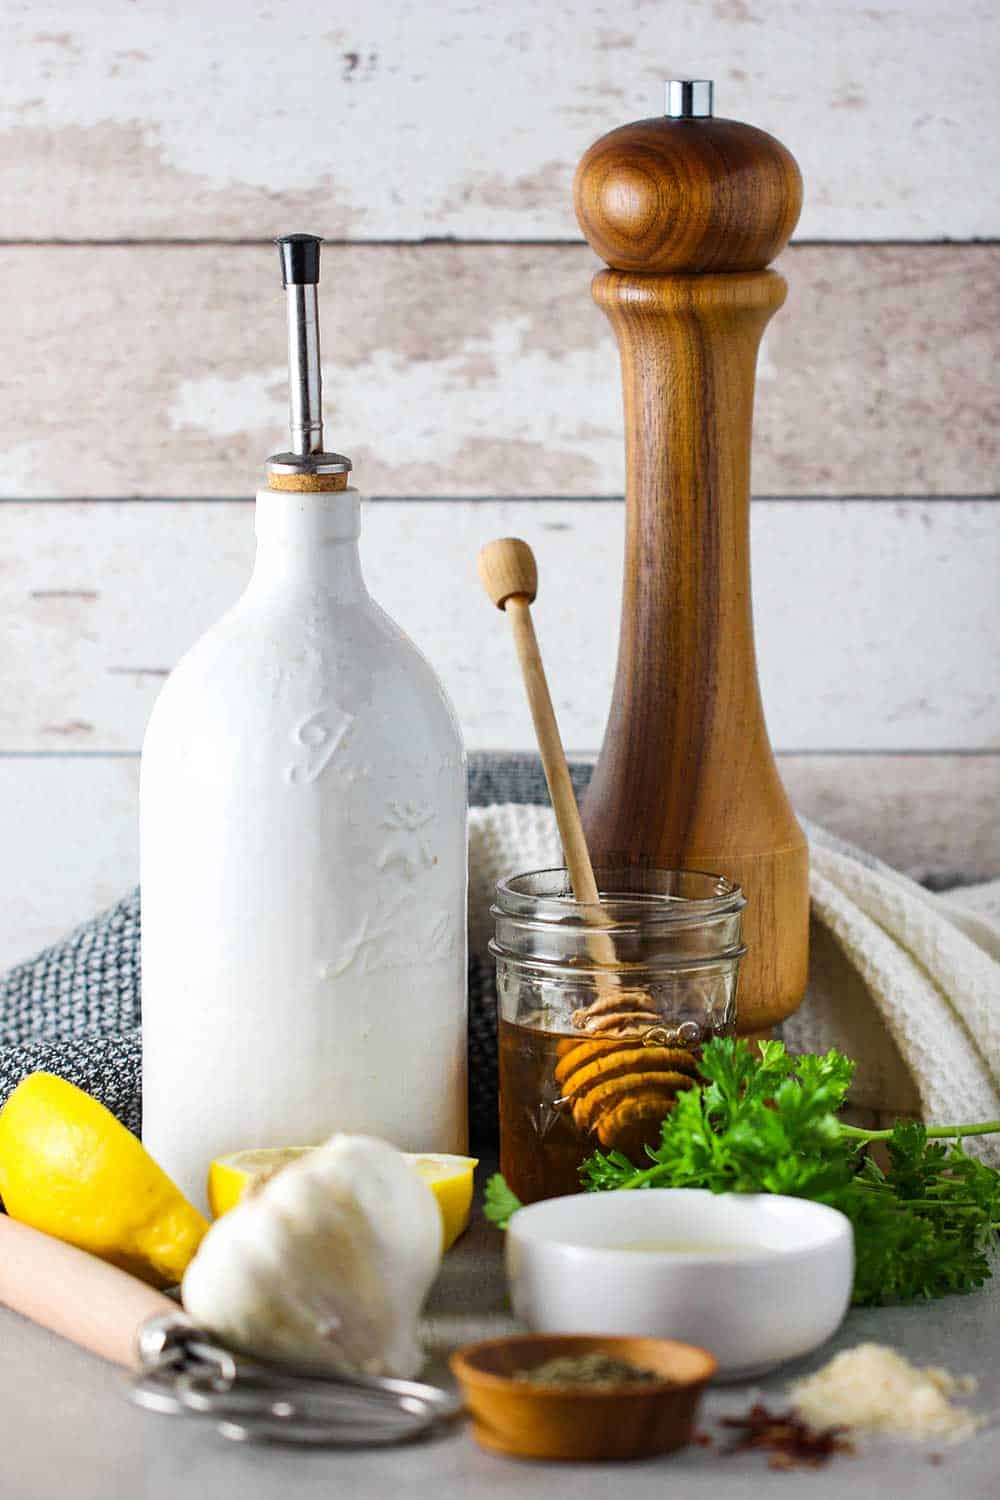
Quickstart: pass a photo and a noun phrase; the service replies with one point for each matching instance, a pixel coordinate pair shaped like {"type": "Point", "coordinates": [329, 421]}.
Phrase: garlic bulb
{"type": "Point", "coordinates": [326, 1266]}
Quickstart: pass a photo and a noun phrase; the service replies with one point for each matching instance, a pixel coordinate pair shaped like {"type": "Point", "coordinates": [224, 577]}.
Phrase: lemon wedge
{"type": "Point", "coordinates": [229, 1177]}
{"type": "Point", "coordinates": [450, 1179]}
{"type": "Point", "coordinates": [70, 1169]}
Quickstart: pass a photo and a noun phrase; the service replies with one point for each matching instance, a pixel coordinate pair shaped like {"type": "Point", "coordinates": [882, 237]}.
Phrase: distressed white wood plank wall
{"type": "Point", "coordinates": [412, 118]}
{"type": "Point", "coordinates": [141, 363]}
{"type": "Point", "coordinates": [474, 370]}
{"type": "Point", "coordinates": [852, 656]}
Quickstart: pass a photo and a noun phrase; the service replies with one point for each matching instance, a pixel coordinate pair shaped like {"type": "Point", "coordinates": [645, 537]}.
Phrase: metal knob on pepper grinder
{"type": "Point", "coordinates": [688, 211]}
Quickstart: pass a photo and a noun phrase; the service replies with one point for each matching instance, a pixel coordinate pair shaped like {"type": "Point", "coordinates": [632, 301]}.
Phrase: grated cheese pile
{"type": "Point", "coordinates": [874, 1387]}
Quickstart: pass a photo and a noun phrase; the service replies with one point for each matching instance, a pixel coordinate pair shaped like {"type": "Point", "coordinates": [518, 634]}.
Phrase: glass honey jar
{"type": "Point", "coordinates": [594, 1052]}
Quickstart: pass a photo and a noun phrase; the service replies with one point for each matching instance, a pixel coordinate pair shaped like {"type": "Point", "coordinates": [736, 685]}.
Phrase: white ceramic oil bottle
{"type": "Point", "coordinates": [303, 843]}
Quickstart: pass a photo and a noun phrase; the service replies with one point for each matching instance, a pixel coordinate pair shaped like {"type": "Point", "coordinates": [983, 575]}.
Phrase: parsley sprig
{"type": "Point", "coordinates": [499, 1203]}
{"type": "Point", "coordinates": [767, 1123]}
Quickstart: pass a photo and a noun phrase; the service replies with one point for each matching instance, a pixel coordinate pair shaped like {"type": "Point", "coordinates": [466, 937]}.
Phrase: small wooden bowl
{"type": "Point", "coordinates": [581, 1422]}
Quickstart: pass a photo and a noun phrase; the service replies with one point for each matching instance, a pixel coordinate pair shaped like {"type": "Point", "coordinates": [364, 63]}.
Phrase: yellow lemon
{"type": "Point", "coordinates": [69, 1168]}
{"type": "Point", "coordinates": [449, 1178]}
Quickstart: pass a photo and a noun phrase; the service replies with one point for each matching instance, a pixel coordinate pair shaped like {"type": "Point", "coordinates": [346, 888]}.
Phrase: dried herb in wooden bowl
{"type": "Point", "coordinates": [594, 1369]}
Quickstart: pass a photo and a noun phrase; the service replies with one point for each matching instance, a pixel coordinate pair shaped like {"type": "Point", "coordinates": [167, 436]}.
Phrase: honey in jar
{"type": "Point", "coordinates": [593, 1057]}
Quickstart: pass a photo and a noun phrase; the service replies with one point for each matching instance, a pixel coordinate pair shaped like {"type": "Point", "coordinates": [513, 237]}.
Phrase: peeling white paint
{"type": "Point", "coordinates": [468, 120]}
{"type": "Point", "coordinates": [221, 406]}
{"type": "Point", "coordinates": [25, 469]}
{"type": "Point", "coordinates": [767, 369]}
{"type": "Point", "coordinates": [394, 405]}
{"type": "Point", "coordinates": [477, 370]}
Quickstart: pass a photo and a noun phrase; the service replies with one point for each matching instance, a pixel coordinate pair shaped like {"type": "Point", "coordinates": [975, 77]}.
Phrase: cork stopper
{"type": "Point", "coordinates": [686, 193]}
{"type": "Point", "coordinates": [299, 483]}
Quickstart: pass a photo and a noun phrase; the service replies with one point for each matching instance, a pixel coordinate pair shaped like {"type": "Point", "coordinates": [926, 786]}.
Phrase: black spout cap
{"type": "Point", "coordinates": [299, 259]}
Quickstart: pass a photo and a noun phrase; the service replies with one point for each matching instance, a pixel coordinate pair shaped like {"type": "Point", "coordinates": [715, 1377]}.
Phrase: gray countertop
{"type": "Point", "coordinates": [67, 1429]}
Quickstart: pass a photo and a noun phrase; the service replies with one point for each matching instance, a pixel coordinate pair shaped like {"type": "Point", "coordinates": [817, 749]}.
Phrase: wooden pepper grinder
{"type": "Point", "coordinates": [687, 211]}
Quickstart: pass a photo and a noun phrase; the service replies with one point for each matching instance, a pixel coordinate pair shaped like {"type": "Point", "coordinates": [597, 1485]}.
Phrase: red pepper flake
{"type": "Point", "coordinates": [791, 1442]}
{"type": "Point", "coordinates": [703, 1439]}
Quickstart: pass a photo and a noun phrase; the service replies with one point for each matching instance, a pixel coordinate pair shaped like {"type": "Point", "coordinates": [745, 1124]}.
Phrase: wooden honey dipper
{"type": "Point", "coordinates": [620, 1084]}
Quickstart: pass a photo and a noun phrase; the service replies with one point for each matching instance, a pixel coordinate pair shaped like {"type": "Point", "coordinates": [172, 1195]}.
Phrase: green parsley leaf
{"type": "Point", "coordinates": [768, 1123]}
{"type": "Point", "coordinates": [499, 1202]}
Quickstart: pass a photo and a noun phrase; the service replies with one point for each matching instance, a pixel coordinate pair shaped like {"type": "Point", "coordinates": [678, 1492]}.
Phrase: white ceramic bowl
{"type": "Point", "coordinates": [766, 1278]}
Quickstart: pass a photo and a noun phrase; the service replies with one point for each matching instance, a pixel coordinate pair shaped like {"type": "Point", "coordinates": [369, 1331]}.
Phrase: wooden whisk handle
{"type": "Point", "coordinates": [74, 1294]}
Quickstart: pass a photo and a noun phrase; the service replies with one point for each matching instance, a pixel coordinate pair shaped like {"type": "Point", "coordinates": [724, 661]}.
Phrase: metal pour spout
{"type": "Point", "coordinates": [300, 275]}
{"type": "Point", "coordinates": [307, 457]}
